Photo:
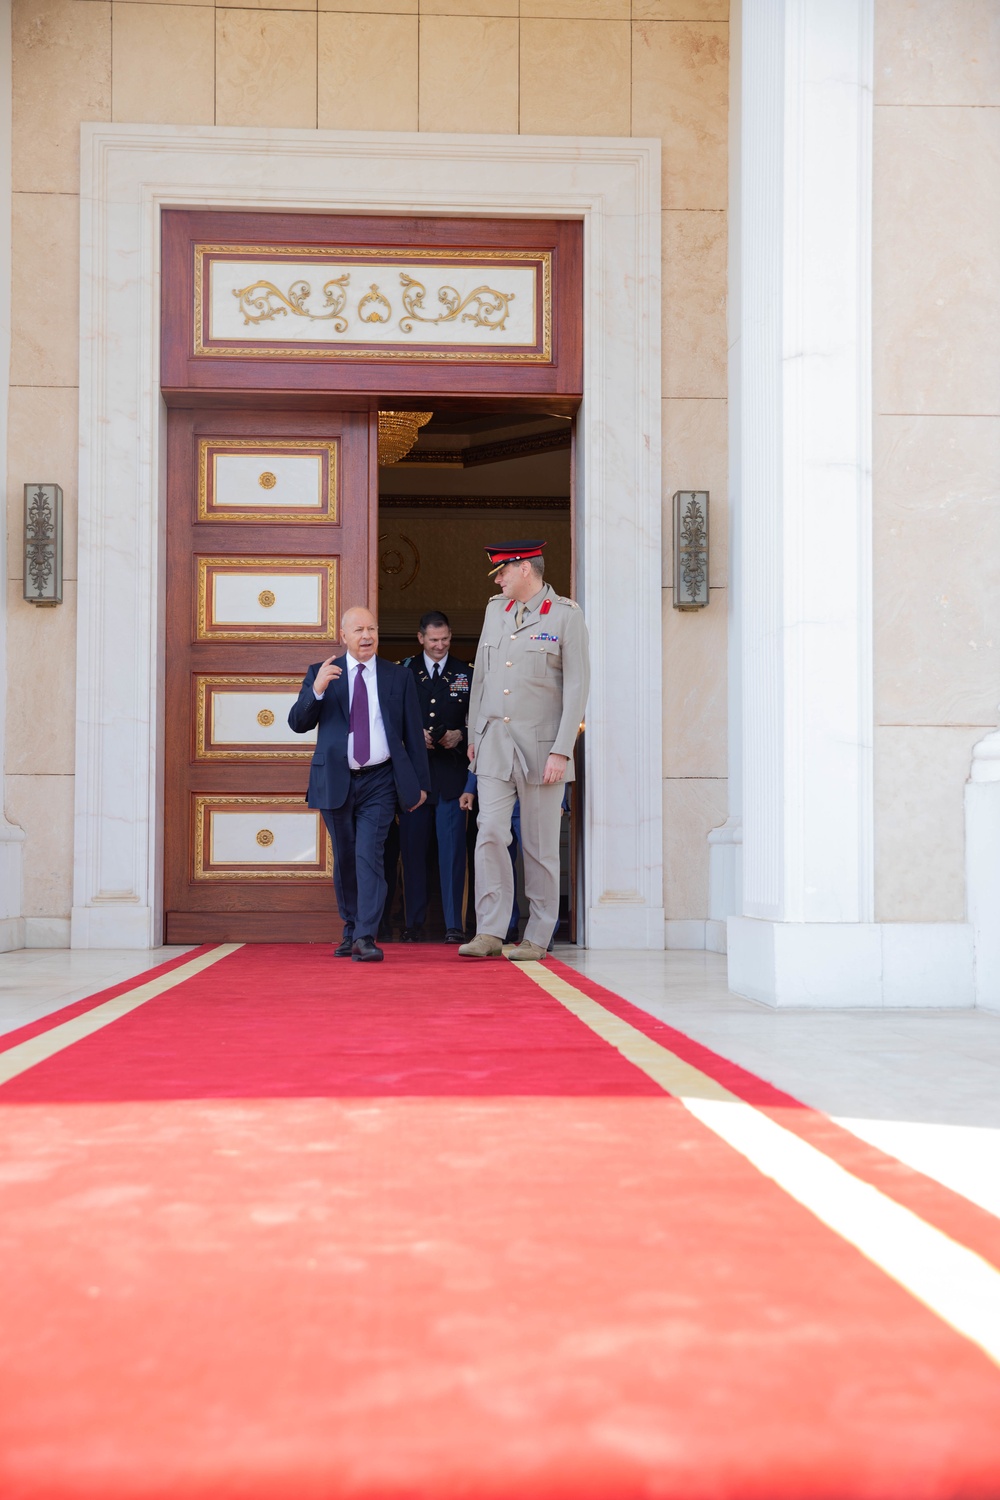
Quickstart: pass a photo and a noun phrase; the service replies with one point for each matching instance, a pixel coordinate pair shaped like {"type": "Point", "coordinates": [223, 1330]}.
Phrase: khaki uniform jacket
{"type": "Point", "coordinates": [529, 686]}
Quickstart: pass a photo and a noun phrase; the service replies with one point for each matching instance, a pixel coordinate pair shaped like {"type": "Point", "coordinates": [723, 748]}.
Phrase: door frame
{"type": "Point", "coordinates": [129, 174]}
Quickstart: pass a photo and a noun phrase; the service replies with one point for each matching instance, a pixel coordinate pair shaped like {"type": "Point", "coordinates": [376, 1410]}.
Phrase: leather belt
{"type": "Point", "coordinates": [366, 770]}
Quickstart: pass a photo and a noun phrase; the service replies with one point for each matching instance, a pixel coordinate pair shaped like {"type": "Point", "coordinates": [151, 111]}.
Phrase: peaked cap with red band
{"type": "Point", "coordinates": [505, 552]}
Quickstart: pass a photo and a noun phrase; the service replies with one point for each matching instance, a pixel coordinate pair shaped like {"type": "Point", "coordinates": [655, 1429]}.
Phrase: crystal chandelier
{"type": "Point", "coordinates": [397, 433]}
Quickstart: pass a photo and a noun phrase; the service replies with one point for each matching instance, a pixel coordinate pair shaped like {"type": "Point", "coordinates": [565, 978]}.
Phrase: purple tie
{"type": "Point", "coordinates": [359, 725]}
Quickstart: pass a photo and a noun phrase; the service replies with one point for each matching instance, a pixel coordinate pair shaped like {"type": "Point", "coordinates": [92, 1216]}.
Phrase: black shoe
{"type": "Point", "coordinates": [343, 948]}
{"type": "Point", "coordinates": [413, 935]}
{"type": "Point", "coordinates": [364, 951]}
{"type": "Point", "coordinates": [454, 935]}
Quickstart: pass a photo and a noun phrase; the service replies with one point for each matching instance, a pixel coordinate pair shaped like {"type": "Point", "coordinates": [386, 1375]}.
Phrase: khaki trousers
{"type": "Point", "coordinates": [541, 810]}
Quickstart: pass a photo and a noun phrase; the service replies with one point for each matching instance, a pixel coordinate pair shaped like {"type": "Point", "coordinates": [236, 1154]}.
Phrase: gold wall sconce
{"type": "Point", "coordinates": [691, 549]}
{"type": "Point", "coordinates": [43, 544]}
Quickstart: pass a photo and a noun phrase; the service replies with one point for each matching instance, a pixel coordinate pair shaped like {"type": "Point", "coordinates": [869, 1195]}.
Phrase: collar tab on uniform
{"type": "Point", "coordinates": [545, 607]}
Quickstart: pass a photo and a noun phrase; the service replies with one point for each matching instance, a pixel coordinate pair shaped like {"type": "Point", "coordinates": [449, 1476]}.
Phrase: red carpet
{"type": "Point", "coordinates": [292, 1230]}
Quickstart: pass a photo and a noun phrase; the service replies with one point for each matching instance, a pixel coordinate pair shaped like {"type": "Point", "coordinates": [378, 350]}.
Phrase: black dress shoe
{"type": "Point", "coordinates": [343, 948]}
{"type": "Point", "coordinates": [364, 951]}
{"type": "Point", "coordinates": [413, 935]}
{"type": "Point", "coordinates": [454, 935]}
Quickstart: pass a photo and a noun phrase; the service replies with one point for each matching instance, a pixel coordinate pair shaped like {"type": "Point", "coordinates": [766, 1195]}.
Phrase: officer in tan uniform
{"type": "Point", "coordinates": [529, 691]}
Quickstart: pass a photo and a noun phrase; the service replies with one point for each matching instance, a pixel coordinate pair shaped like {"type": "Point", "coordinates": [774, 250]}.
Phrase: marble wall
{"type": "Point", "coordinates": [574, 67]}
{"type": "Point", "coordinates": [936, 437]}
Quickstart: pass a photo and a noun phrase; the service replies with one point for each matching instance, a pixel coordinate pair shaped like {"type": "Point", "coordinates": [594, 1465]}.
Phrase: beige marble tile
{"type": "Point", "coordinates": [468, 7]}
{"type": "Point", "coordinates": [696, 457]}
{"type": "Point", "coordinates": [61, 75]}
{"type": "Point", "coordinates": [694, 687]}
{"type": "Point", "coordinates": [690, 809]}
{"type": "Point", "coordinates": [367, 72]}
{"type": "Point", "coordinates": [680, 10]}
{"type": "Point", "coordinates": [43, 442]}
{"type": "Point", "coordinates": [41, 648]}
{"type": "Point", "coordinates": [45, 336]}
{"type": "Point", "coordinates": [680, 92]}
{"type": "Point", "coordinates": [577, 10]}
{"type": "Point", "coordinates": [266, 4]}
{"type": "Point", "coordinates": [43, 807]}
{"type": "Point", "coordinates": [694, 304]}
{"type": "Point", "coordinates": [265, 68]}
{"type": "Point", "coordinates": [468, 74]}
{"type": "Point", "coordinates": [920, 776]}
{"type": "Point", "coordinates": [937, 570]}
{"type": "Point", "coordinates": [936, 268]}
{"type": "Point", "coordinates": [937, 52]}
{"type": "Point", "coordinates": [374, 7]}
{"type": "Point", "coordinates": [164, 64]}
{"type": "Point", "coordinates": [574, 77]}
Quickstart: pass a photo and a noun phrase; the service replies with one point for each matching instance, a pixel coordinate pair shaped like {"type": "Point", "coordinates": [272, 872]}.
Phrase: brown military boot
{"type": "Point", "coordinates": [482, 946]}
{"type": "Point", "coordinates": [525, 952]}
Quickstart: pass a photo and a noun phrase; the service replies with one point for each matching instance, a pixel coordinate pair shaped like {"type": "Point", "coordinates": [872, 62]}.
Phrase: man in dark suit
{"type": "Point", "coordinates": [370, 755]}
{"type": "Point", "coordinates": [443, 684]}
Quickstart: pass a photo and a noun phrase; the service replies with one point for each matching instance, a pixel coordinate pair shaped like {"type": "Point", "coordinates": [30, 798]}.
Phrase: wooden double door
{"type": "Point", "coordinates": [270, 521]}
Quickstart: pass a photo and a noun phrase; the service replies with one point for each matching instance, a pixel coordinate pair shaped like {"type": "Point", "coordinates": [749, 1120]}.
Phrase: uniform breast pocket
{"type": "Point", "coordinates": [545, 657]}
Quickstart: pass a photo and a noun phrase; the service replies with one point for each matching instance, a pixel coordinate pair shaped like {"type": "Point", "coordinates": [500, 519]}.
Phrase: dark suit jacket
{"type": "Point", "coordinates": [445, 706]}
{"type": "Point", "coordinates": [330, 774]}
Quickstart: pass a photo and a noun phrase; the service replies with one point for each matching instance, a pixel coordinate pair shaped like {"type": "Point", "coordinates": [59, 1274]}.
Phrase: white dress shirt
{"type": "Point", "coordinates": [378, 744]}
{"type": "Point", "coordinates": [430, 664]}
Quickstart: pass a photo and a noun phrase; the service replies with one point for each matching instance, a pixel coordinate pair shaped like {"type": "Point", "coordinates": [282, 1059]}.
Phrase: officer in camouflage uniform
{"type": "Point", "coordinates": [529, 692]}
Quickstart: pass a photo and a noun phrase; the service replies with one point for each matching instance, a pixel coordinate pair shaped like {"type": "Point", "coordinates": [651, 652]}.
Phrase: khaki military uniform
{"type": "Point", "coordinates": [529, 692]}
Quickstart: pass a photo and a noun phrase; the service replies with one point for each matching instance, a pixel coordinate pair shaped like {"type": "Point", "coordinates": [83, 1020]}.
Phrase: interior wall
{"type": "Point", "coordinates": [591, 67]}
{"type": "Point", "coordinates": [936, 438]}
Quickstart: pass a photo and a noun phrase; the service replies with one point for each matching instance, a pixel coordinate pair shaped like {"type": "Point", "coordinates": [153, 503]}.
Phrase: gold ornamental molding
{"type": "Point", "coordinates": [203, 864]}
{"type": "Point", "coordinates": [210, 569]}
{"type": "Point", "coordinates": [209, 685]}
{"type": "Point", "coordinates": [354, 317]}
{"type": "Point", "coordinates": [325, 451]}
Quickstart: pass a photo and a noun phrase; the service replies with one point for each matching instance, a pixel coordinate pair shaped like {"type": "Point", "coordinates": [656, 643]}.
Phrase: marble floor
{"type": "Point", "coordinates": [34, 982]}
{"type": "Point", "coordinates": [921, 1085]}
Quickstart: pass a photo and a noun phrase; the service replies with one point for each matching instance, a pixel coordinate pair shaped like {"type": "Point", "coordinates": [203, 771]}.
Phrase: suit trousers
{"type": "Point", "coordinates": [358, 830]}
{"type": "Point", "coordinates": [541, 811]}
{"type": "Point", "coordinates": [414, 840]}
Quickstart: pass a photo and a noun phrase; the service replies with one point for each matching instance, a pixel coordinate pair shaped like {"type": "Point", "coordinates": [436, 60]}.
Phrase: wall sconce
{"type": "Point", "coordinates": [690, 549]}
{"type": "Point", "coordinates": [43, 544]}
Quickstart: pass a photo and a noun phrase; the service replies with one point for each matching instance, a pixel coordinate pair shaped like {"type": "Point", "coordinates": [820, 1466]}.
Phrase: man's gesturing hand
{"type": "Point", "coordinates": [328, 671]}
{"type": "Point", "coordinates": [555, 768]}
{"type": "Point", "coordinates": [423, 799]}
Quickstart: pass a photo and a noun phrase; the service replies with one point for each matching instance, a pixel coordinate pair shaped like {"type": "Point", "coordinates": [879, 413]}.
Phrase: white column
{"type": "Point", "coordinates": [803, 460]}
{"type": "Point", "coordinates": [11, 837]}
{"type": "Point", "coordinates": [982, 863]}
